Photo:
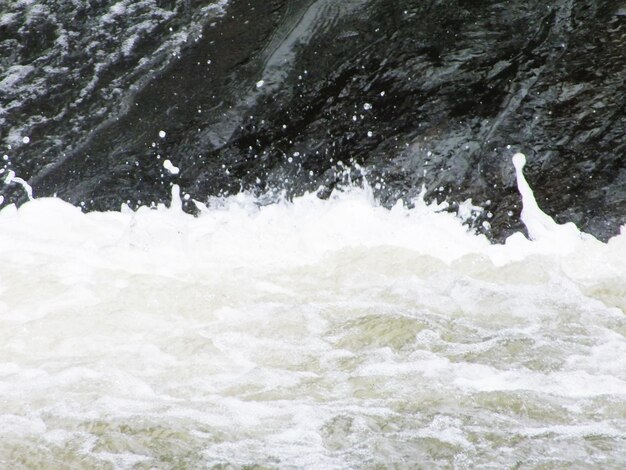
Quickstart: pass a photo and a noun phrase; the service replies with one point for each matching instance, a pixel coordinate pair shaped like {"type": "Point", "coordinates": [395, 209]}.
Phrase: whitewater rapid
{"type": "Point", "coordinates": [311, 333]}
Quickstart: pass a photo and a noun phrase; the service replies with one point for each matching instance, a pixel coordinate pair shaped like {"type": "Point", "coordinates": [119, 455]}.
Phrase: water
{"type": "Point", "coordinates": [70, 69]}
{"type": "Point", "coordinates": [308, 334]}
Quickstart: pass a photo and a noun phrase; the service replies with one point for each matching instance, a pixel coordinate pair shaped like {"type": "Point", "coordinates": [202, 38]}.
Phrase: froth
{"type": "Point", "coordinates": [312, 333]}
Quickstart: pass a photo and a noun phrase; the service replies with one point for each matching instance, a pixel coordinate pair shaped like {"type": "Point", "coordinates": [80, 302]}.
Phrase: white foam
{"type": "Point", "coordinates": [308, 334]}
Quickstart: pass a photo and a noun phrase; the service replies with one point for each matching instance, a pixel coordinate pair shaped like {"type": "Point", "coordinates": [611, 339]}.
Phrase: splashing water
{"type": "Point", "coordinates": [307, 334]}
{"type": "Point", "coordinates": [12, 178]}
{"type": "Point", "coordinates": [540, 225]}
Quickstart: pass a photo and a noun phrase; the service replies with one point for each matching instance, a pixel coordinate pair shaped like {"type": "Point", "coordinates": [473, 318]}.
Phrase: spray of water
{"type": "Point", "coordinates": [307, 334]}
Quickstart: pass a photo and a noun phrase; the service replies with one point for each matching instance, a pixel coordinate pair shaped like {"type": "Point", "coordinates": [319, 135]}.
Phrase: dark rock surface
{"type": "Point", "coordinates": [285, 94]}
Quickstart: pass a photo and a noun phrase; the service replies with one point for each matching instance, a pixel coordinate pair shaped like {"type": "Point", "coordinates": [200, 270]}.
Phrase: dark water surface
{"type": "Point", "coordinates": [275, 94]}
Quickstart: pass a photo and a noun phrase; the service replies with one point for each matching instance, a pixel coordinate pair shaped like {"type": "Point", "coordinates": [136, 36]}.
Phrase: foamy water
{"type": "Point", "coordinates": [308, 334]}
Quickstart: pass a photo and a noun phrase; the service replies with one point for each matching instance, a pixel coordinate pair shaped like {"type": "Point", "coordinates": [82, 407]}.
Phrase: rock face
{"type": "Point", "coordinates": [291, 94]}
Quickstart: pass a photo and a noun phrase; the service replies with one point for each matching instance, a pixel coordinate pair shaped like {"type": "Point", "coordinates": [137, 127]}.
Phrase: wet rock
{"type": "Point", "coordinates": [290, 94]}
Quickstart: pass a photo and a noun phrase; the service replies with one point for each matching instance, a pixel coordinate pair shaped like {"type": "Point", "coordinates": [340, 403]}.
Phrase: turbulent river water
{"type": "Point", "coordinates": [331, 334]}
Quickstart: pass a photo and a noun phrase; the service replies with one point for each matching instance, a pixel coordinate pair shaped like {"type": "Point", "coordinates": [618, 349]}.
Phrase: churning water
{"type": "Point", "coordinates": [330, 334]}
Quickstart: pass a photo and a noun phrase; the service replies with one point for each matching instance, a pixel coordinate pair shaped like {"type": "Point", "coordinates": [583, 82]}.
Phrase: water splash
{"type": "Point", "coordinates": [541, 226]}
{"type": "Point", "coordinates": [12, 178]}
{"type": "Point", "coordinates": [305, 334]}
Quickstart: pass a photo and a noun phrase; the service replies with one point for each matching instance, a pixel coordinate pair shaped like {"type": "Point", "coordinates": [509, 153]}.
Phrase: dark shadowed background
{"type": "Point", "coordinates": [268, 95]}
